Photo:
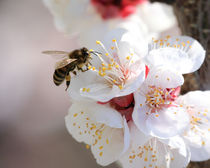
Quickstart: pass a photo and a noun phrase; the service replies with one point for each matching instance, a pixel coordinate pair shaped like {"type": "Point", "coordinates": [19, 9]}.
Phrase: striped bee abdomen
{"type": "Point", "coordinates": [59, 76]}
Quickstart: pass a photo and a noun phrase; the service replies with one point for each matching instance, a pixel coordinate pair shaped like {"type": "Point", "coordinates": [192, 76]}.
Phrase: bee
{"type": "Point", "coordinates": [69, 62]}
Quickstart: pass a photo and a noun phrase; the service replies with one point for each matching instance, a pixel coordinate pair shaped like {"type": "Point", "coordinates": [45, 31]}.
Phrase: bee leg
{"type": "Point", "coordinates": [74, 72]}
{"type": "Point", "coordinates": [81, 69]}
{"type": "Point", "coordinates": [68, 79]}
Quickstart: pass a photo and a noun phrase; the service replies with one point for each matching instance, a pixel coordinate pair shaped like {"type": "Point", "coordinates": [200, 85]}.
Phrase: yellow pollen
{"type": "Point", "coordinates": [93, 68]}
{"type": "Point", "coordinates": [101, 153]}
{"type": "Point", "coordinates": [120, 86]}
{"type": "Point", "coordinates": [117, 66]}
{"type": "Point", "coordinates": [101, 147]}
{"type": "Point", "coordinates": [99, 137]}
{"type": "Point", "coordinates": [178, 46]}
{"type": "Point", "coordinates": [128, 57]}
{"type": "Point", "coordinates": [168, 36]}
{"type": "Point", "coordinates": [87, 118]}
{"type": "Point", "coordinates": [168, 79]}
{"type": "Point", "coordinates": [83, 89]}
{"type": "Point", "coordinates": [87, 146]}
{"type": "Point", "coordinates": [74, 124]}
{"type": "Point", "coordinates": [91, 50]}
{"type": "Point", "coordinates": [161, 44]}
{"type": "Point", "coordinates": [174, 45]}
{"type": "Point", "coordinates": [156, 41]}
{"type": "Point", "coordinates": [145, 159]}
{"type": "Point", "coordinates": [177, 39]}
{"type": "Point", "coordinates": [203, 143]}
{"type": "Point", "coordinates": [183, 44]}
{"type": "Point", "coordinates": [204, 114]}
{"type": "Point", "coordinates": [156, 115]}
{"type": "Point", "coordinates": [112, 48]}
{"type": "Point", "coordinates": [168, 44]}
{"type": "Point", "coordinates": [107, 141]}
{"type": "Point", "coordinates": [114, 81]}
{"type": "Point", "coordinates": [140, 105]}
{"type": "Point", "coordinates": [103, 69]}
{"type": "Point", "coordinates": [209, 129]}
{"type": "Point", "coordinates": [188, 42]}
{"type": "Point", "coordinates": [98, 42]}
{"type": "Point", "coordinates": [102, 64]}
{"type": "Point", "coordinates": [114, 40]}
{"type": "Point", "coordinates": [75, 114]}
{"type": "Point", "coordinates": [190, 46]}
{"type": "Point", "coordinates": [89, 67]}
{"type": "Point", "coordinates": [131, 54]}
{"type": "Point", "coordinates": [106, 54]}
{"type": "Point", "coordinates": [88, 90]}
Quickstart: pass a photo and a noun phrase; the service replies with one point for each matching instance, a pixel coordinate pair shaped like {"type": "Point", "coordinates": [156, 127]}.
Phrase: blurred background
{"type": "Point", "coordinates": [32, 109]}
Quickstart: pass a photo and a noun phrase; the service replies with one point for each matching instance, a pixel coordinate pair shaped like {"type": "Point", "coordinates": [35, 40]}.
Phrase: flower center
{"type": "Point", "coordinates": [157, 97]}
{"type": "Point", "coordinates": [111, 68]}
{"type": "Point", "coordinates": [124, 105]}
{"type": "Point", "coordinates": [115, 8]}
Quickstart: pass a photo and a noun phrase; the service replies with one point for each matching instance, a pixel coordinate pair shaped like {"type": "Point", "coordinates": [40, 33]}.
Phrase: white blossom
{"type": "Point", "coordinates": [101, 127]}
{"type": "Point", "coordinates": [197, 134]}
{"type": "Point", "coordinates": [147, 151]}
{"type": "Point", "coordinates": [156, 112]}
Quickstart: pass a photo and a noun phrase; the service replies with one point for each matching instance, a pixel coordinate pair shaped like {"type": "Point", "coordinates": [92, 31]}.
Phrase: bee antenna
{"type": "Point", "coordinates": [95, 53]}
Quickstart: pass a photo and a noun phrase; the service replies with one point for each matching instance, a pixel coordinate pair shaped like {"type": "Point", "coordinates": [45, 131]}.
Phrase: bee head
{"type": "Point", "coordinates": [85, 52]}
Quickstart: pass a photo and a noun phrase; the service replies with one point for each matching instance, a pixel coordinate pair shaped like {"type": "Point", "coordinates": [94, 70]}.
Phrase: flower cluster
{"type": "Point", "coordinates": [127, 107]}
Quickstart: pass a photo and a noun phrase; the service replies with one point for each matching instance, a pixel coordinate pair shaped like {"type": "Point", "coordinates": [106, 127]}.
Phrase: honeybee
{"type": "Point", "coordinates": [70, 62]}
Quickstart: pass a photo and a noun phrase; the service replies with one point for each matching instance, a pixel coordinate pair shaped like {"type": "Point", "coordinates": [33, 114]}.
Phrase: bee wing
{"type": "Point", "coordinates": [57, 54]}
{"type": "Point", "coordinates": [63, 63]}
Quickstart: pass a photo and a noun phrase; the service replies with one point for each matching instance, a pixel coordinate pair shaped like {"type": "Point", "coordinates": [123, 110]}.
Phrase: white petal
{"type": "Point", "coordinates": [198, 134]}
{"type": "Point", "coordinates": [126, 136]}
{"type": "Point", "coordinates": [113, 143]}
{"type": "Point", "coordinates": [169, 122]}
{"type": "Point", "coordinates": [154, 154]}
{"type": "Point", "coordinates": [100, 91]}
{"type": "Point", "coordinates": [199, 146]}
{"type": "Point", "coordinates": [186, 57]}
{"type": "Point", "coordinates": [139, 115]}
{"type": "Point", "coordinates": [105, 131]}
{"type": "Point", "coordinates": [79, 81]}
{"type": "Point", "coordinates": [105, 114]}
{"type": "Point", "coordinates": [67, 13]}
{"type": "Point", "coordinates": [137, 136]}
{"type": "Point", "coordinates": [164, 78]}
{"type": "Point", "coordinates": [158, 16]}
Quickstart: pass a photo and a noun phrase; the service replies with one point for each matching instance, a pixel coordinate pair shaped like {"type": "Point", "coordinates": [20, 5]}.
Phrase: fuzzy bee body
{"type": "Point", "coordinates": [71, 62]}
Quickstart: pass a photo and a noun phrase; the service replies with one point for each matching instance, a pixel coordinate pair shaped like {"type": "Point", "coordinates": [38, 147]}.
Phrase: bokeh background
{"type": "Point", "coordinates": [32, 109]}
